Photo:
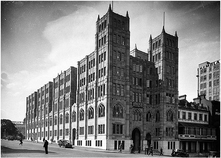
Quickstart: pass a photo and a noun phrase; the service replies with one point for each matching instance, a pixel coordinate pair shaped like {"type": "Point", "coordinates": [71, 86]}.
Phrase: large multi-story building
{"type": "Point", "coordinates": [208, 80]}
{"type": "Point", "coordinates": [122, 96]}
{"type": "Point", "coordinates": [48, 110]}
{"type": "Point", "coordinates": [128, 97]}
{"type": "Point", "coordinates": [195, 133]}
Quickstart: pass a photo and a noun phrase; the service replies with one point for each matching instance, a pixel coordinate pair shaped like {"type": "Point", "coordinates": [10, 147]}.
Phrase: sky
{"type": "Point", "coordinates": [40, 39]}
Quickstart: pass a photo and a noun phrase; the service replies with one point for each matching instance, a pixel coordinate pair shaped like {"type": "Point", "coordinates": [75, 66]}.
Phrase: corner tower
{"type": "Point", "coordinates": [164, 52]}
{"type": "Point", "coordinates": [112, 49]}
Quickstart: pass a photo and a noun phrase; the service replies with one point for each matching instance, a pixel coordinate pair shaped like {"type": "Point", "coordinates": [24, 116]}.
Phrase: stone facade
{"type": "Point", "coordinates": [122, 96]}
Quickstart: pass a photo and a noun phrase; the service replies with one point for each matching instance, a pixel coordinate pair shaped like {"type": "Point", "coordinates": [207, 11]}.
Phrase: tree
{"type": "Point", "coordinates": [8, 128]}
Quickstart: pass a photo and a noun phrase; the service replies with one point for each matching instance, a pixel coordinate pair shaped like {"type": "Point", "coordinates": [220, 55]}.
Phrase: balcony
{"type": "Point", "coordinates": [196, 137]}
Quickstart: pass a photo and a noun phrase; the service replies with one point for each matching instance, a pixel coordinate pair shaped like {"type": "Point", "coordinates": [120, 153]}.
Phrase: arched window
{"type": "Point", "coordinates": [101, 111]}
{"type": "Point", "coordinates": [55, 120]}
{"type": "Point", "coordinates": [67, 118]}
{"type": "Point", "coordinates": [90, 113]}
{"type": "Point", "coordinates": [74, 116]}
{"type": "Point", "coordinates": [118, 111]}
{"type": "Point", "coordinates": [81, 114]}
{"type": "Point", "coordinates": [170, 115]}
{"type": "Point", "coordinates": [136, 115]}
{"type": "Point", "coordinates": [157, 116]}
{"type": "Point", "coordinates": [61, 119]}
{"type": "Point", "coordinates": [148, 117]}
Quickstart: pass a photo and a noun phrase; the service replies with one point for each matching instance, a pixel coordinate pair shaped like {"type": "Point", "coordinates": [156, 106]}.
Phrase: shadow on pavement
{"type": "Point", "coordinates": [9, 150]}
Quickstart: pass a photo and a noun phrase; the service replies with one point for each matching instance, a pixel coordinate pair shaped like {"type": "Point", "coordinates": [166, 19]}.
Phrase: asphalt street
{"type": "Point", "coordinates": [33, 149]}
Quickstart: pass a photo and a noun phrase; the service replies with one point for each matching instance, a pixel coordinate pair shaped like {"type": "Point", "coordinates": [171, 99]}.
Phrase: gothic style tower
{"type": "Point", "coordinates": [163, 51]}
{"type": "Point", "coordinates": [113, 42]}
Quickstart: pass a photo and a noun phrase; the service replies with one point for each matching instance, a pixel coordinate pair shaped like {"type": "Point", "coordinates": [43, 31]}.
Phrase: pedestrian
{"type": "Point", "coordinates": [146, 150]}
{"type": "Point", "coordinates": [131, 148]}
{"type": "Point", "coordinates": [161, 151]}
{"type": "Point", "coordinates": [120, 147]}
{"type": "Point", "coordinates": [21, 142]}
{"type": "Point", "coordinates": [151, 150]}
{"type": "Point", "coordinates": [45, 145]}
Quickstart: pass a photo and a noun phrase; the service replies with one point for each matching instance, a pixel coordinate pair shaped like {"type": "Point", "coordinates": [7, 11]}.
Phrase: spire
{"type": "Point", "coordinates": [98, 18]}
{"type": "Point", "coordinates": [176, 34]}
{"type": "Point", "coordinates": [163, 31]}
{"type": "Point", "coordinates": [135, 46]}
{"type": "Point", "coordinates": [127, 15]}
{"type": "Point", "coordinates": [150, 38]}
{"type": "Point", "coordinates": [109, 7]}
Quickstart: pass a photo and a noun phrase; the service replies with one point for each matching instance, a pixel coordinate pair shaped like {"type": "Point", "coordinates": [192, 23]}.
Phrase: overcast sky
{"type": "Point", "coordinates": [41, 39]}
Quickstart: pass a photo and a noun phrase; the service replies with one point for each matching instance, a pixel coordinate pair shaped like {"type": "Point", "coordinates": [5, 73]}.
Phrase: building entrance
{"type": "Point", "coordinates": [136, 139]}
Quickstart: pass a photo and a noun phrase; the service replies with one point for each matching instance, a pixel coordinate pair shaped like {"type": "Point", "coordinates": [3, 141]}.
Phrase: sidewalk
{"type": "Point", "coordinates": [142, 153]}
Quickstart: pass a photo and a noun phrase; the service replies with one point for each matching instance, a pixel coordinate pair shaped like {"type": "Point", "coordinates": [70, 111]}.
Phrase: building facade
{"type": "Point", "coordinates": [195, 133]}
{"type": "Point", "coordinates": [117, 96]}
{"type": "Point", "coordinates": [48, 110]}
{"type": "Point", "coordinates": [127, 97]}
{"type": "Point", "coordinates": [209, 80]}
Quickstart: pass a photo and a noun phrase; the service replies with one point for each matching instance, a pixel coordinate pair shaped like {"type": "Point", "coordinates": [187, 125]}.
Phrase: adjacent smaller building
{"type": "Point", "coordinates": [195, 133]}
{"type": "Point", "coordinates": [208, 74]}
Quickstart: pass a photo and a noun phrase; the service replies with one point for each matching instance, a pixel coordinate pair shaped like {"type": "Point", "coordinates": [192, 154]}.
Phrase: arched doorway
{"type": "Point", "coordinates": [136, 139]}
{"type": "Point", "coordinates": [74, 135]}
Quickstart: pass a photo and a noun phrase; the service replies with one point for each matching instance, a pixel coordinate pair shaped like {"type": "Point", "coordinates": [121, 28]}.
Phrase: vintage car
{"type": "Point", "coordinates": [179, 153]}
{"type": "Point", "coordinates": [64, 143]}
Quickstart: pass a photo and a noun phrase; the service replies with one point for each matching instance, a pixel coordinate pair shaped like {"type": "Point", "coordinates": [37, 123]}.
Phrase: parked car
{"type": "Point", "coordinates": [64, 143]}
{"type": "Point", "coordinates": [179, 153]}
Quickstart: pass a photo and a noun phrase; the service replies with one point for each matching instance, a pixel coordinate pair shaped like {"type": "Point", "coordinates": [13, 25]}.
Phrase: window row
{"type": "Point", "coordinates": [137, 68]}
{"type": "Point", "coordinates": [157, 57]}
{"type": "Point", "coordinates": [195, 116]}
{"type": "Point", "coordinates": [101, 129]}
{"type": "Point", "coordinates": [120, 40]}
{"type": "Point", "coordinates": [102, 72]}
{"type": "Point", "coordinates": [117, 128]}
{"type": "Point", "coordinates": [170, 83]}
{"type": "Point", "coordinates": [81, 97]}
{"type": "Point", "coordinates": [170, 42]}
{"type": "Point", "coordinates": [82, 69]}
{"type": "Point", "coordinates": [197, 131]}
{"type": "Point", "coordinates": [118, 89]}
{"type": "Point", "coordinates": [102, 41]}
{"type": "Point", "coordinates": [82, 82]}
{"type": "Point", "coordinates": [102, 26]}
{"type": "Point", "coordinates": [118, 111]}
{"type": "Point", "coordinates": [137, 81]}
{"type": "Point", "coordinates": [156, 44]}
{"type": "Point", "coordinates": [169, 116]}
{"type": "Point", "coordinates": [119, 56]}
{"type": "Point", "coordinates": [120, 24]}
{"type": "Point", "coordinates": [101, 90]}
{"type": "Point", "coordinates": [91, 63]}
{"type": "Point", "coordinates": [91, 77]}
{"type": "Point", "coordinates": [137, 97]}
{"type": "Point", "coordinates": [91, 94]}
{"type": "Point", "coordinates": [102, 57]}
{"type": "Point", "coordinates": [169, 55]}
{"type": "Point", "coordinates": [170, 98]}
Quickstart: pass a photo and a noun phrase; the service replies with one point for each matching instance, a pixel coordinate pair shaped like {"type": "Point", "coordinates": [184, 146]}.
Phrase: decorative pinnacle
{"type": "Point", "coordinates": [127, 15]}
